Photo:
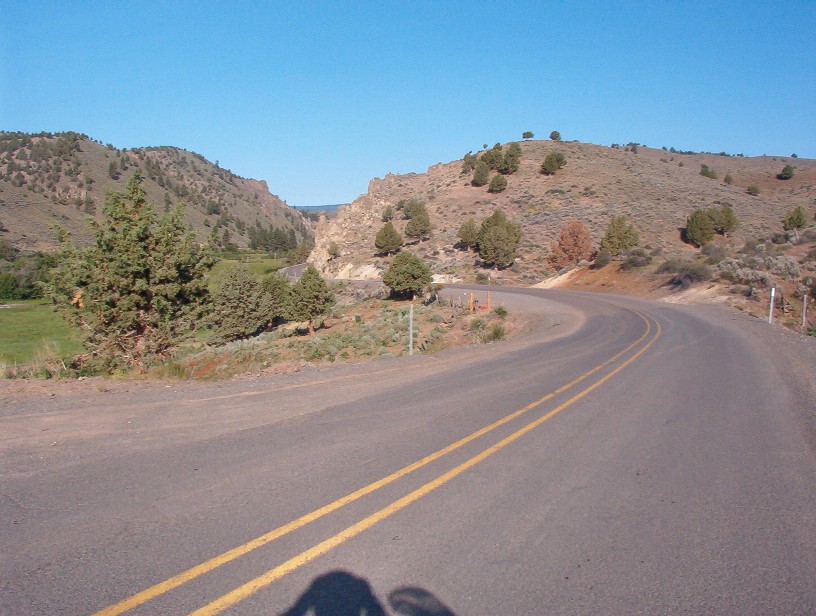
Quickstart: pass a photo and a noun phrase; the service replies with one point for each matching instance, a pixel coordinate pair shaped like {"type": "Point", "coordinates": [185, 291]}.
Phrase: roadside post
{"type": "Point", "coordinates": [411, 329]}
{"type": "Point", "coordinates": [770, 312]}
{"type": "Point", "coordinates": [804, 312]}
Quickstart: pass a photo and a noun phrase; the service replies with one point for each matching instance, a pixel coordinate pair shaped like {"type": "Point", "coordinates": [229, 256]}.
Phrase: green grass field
{"type": "Point", "coordinates": [31, 330]}
{"type": "Point", "coordinates": [260, 265]}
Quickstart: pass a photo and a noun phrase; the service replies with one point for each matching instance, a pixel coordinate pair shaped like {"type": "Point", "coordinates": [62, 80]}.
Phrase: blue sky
{"type": "Point", "coordinates": [317, 98]}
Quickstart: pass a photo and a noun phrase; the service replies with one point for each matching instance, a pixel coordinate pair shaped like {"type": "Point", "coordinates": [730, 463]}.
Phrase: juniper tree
{"type": "Point", "coordinates": [497, 184]}
{"type": "Point", "coordinates": [419, 223]}
{"type": "Point", "coordinates": [481, 174]}
{"type": "Point", "coordinates": [310, 298]}
{"type": "Point", "coordinates": [140, 289]}
{"type": "Point", "coordinates": [620, 236]}
{"type": "Point", "coordinates": [498, 239]}
{"type": "Point", "coordinates": [407, 275]}
{"type": "Point", "coordinates": [553, 162]}
{"type": "Point", "coordinates": [699, 228]}
{"type": "Point", "coordinates": [795, 220]}
{"type": "Point", "coordinates": [469, 233]}
{"type": "Point", "coordinates": [388, 239]}
{"type": "Point", "coordinates": [238, 307]}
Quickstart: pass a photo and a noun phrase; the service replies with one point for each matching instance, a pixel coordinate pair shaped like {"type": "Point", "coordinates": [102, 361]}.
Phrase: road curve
{"type": "Point", "coordinates": [628, 457]}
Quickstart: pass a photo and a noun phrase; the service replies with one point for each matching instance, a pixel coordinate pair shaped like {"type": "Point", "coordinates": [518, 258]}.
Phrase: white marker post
{"type": "Point", "coordinates": [770, 312]}
{"type": "Point", "coordinates": [804, 312]}
{"type": "Point", "coordinates": [411, 330]}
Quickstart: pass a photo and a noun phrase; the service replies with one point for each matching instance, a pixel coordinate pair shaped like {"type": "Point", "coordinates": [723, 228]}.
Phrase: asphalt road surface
{"type": "Point", "coordinates": [627, 457]}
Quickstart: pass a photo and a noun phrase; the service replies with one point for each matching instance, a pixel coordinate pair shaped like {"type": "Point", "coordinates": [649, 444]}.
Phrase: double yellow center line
{"type": "Point", "coordinates": [244, 591]}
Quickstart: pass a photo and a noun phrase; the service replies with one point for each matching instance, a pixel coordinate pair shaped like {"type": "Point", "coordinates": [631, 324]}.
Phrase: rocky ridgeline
{"type": "Point", "coordinates": [656, 189]}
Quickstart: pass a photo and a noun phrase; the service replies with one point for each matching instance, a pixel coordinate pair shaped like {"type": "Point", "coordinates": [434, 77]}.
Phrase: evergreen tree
{"type": "Point", "coordinates": [699, 228]}
{"type": "Point", "coordinates": [795, 220]}
{"type": "Point", "coordinates": [528, 134]}
{"type": "Point", "coordinates": [419, 227]}
{"type": "Point", "coordinates": [512, 159]}
{"type": "Point", "coordinates": [469, 162]}
{"type": "Point", "coordinates": [620, 236]}
{"type": "Point", "coordinates": [469, 233]}
{"type": "Point", "coordinates": [493, 158]}
{"type": "Point", "coordinates": [388, 239]}
{"type": "Point", "coordinates": [723, 218]}
{"type": "Point", "coordinates": [497, 184]}
{"type": "Point", "coordinates": [555, 136]}
{"type": "Point", "coordinates": [388, 213]}
{"type": "Point", "coordinates": [407, 275]}
{"type": "Point", "coordinates": [498, 240]}
{"type": "Point", "coordinates": [276, 297]}
{"type": "Point", "coordinates": [553, 162]}
{"type": "Point", "coordinates": [481, 174]}
{"type": "Point", "coordinates": [140, 289]}
{"type": "Point", "coordinates": [238, 307]}
{"type": "Point", "coordinates": [310, 298]}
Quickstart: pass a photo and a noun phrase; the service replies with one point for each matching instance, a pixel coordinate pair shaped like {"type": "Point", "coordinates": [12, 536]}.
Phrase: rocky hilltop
{"type": "Point", "coordinates": [62, 178]}
{"type": "Point", "coordinates": [656, 189]}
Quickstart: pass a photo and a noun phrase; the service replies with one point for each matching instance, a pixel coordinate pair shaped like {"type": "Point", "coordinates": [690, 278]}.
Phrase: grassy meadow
{"type": "Point", "coordinates": [30, 331]}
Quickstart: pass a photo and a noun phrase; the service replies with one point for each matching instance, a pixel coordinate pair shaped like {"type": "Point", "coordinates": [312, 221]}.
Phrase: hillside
{"type": "Point", "coordinates": [63, 178]}
{"type": "Point", "coordinates": [655, 189]}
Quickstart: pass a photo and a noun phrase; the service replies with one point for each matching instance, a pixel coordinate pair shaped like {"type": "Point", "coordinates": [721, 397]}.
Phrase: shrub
{"type": "Point", "coordinates": [555, 136]}
{"type": "Point", "coordinates": [528, 134]}
{"type": "Point", "coordinates": [493, 157]}
{"type": "Point", "coordinates": [500, 311]}
{"type": "Point", "coordinates": [753, 190]}
{"type": "Point", "coordinates": [786, 173]}
{"type": "Point", "coordinates": [602, 259]}
{"type": "Point", "coordinates": [496, 332]}
{"type": "Point", "coordinates": [684, 273]}
{"type": "Point", "coordinates": [636, 258]}
{"type": "Point", "coordinates": [706, 171]}
{"type": "Point", "coordinates": [728, 179]}
{"type": "Point", "coordinates": [714, 253]}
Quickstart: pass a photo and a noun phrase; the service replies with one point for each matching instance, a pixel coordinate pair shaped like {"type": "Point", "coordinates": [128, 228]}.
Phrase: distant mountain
{"type": "Point", "coordinates": [656, 189]}
{"type": "Point", "coordinates": [62, 178]}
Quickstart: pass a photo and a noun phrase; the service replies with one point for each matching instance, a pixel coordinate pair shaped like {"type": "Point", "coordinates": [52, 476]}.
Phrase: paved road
{"type": "Point", "coordinates": [626, 458]}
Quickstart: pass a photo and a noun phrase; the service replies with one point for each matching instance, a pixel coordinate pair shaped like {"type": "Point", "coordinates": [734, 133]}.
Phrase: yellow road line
{"type": "Point", "coordinates": [230, 555]}
{"type": "Point", "coordinates": [253, 586]}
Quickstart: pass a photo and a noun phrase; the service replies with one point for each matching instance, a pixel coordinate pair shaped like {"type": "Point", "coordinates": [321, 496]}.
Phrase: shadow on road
{"type": "Point", "coordinates": [340, 593]}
